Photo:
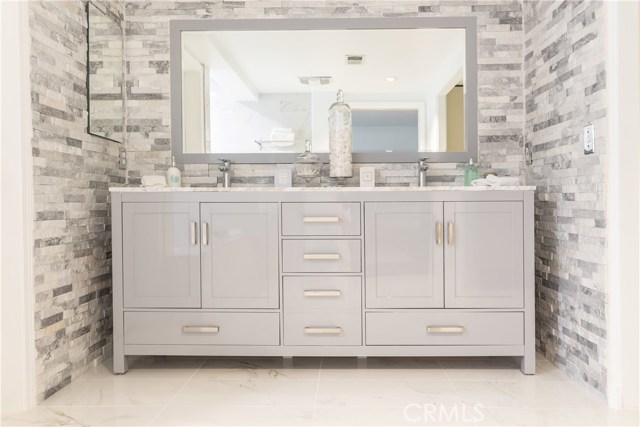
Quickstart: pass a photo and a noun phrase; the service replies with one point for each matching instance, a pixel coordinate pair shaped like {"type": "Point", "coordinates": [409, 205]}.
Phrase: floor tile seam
{"type": "Point", "coordinates": [237, 406]}
{"type": "Point", "coordinates": [315, 401]}
{"type": "Point", "coordinates": [116, 380]}
{"type": "Point", "coordinates": [153, 420]}
{"type": "Point", "coordinates": [262, 380]}
{"type": "Point", "coordinates": [101, 406]}
{"type": "Point", "coordinates": [98, 406]}
{"type": "Point", "coordinates": [455, 389]}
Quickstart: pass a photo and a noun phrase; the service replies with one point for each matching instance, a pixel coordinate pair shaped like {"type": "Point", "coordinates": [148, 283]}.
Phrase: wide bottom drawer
{"type": "Point", "coordinates": [201, 328]}
{"type": "Point", "coordinates": [323, 328]}
{"type": "Point", "coordinates": [456, 328]}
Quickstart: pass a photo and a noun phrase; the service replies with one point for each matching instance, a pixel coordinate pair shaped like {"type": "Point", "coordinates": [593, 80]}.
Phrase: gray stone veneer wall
{"type": "Point", "coordinates": [500, 57]}
{"type": "Point", "coordinates": [72, 172]}
{"type": "Point", "coordinates": [565, 89]}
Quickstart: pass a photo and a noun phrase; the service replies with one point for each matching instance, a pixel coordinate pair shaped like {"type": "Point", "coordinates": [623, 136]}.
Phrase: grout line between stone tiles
{"type": "Point", "coordinates": [177, 391]}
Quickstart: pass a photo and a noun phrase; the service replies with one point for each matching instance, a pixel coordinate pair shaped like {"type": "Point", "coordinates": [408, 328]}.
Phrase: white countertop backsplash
{"type": "Point", "coordinates": [316, 189]}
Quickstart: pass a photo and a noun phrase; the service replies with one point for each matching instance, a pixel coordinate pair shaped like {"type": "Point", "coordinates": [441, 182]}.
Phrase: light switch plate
{"type": "Point", "coordinates": [367, 177]}
{"type": "Point", "coordinates": [282, 178]}
{"type": "Point", "coordinates": [122, 158]}
{"type": "Point", "coordinates": [589, 139]}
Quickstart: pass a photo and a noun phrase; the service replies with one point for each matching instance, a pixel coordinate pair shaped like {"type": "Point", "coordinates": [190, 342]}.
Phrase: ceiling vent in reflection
{"type": "Point", "coordinates": [315, 80]}
{"type": "Point", "coordinates": [354, 59]}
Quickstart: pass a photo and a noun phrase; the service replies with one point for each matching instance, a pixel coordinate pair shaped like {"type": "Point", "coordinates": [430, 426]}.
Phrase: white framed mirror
{"type": "Point", "coordinates": [254, 91]}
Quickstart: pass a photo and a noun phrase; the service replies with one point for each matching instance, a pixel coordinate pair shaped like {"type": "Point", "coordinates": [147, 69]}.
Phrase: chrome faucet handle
{"type": "Point", "coordinates": [423, 164]}
{"type": "Point", "coordinates": [225, 166]}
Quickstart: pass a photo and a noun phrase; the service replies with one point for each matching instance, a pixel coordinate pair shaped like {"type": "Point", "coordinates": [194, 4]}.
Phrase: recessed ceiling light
{"type": "Point", "coordinates": [390, 79]}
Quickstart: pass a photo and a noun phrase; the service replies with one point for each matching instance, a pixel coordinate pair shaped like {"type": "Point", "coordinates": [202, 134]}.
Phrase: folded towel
{"type": "Point", "coordinates": [496, 181]}
{"type": "Point", "coordinates": [154, 181]}
{"type": "Point", "coordinates": [282, 134]}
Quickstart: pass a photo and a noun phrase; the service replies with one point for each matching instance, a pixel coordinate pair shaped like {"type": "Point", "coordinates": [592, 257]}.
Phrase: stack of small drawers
{"type": "Point", "coordinates": [322, 273]}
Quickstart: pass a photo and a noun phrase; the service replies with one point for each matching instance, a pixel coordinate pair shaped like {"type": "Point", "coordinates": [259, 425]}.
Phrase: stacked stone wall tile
{"type": "Point", "coordinates": [72, 172]}
{"type": "Point", "coordinates": [565, 75]}
{"type": "Point", "coordinates": [501, 85]}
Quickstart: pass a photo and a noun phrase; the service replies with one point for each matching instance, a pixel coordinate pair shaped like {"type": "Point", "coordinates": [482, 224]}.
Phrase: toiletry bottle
{"type": "Point", "coordinates": [174, 177]}
{"type": "Point", "coordinates": [470, 173]}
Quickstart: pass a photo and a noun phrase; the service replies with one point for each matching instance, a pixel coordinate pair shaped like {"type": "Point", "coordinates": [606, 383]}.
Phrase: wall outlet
{"type": "Point", "coordinates": [282, 178]}
{"type": "Point", "coordinates": [589, 139]}
{"type": "Point", "coordinates": [367, 177]}
{"type": "Point", "coordinates": [122, 158]}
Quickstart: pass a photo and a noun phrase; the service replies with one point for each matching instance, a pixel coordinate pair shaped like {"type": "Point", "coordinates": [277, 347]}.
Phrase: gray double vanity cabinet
{"type": "Point", "coordinates": [442, 271]}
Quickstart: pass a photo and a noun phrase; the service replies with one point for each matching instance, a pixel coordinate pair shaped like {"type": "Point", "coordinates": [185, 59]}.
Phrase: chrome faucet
{"type": "Point", "coordinates": [422, 174]}
{"type": "Point", "coordinates": [225, 168]}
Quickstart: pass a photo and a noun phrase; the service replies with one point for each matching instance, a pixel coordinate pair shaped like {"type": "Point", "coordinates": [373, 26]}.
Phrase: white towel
{"type": "Point", "coordinates": [496, 181]}
{"type": "Point", "coordinates": [154, 181]}
{"type": "Point", "coordinates": [282, 134]}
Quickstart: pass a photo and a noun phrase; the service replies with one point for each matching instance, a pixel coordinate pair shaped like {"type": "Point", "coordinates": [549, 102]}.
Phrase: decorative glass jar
{"type": "Point", "coordinates": [340, 139]}
{"type": "Point", "coordinates": [308, 165]}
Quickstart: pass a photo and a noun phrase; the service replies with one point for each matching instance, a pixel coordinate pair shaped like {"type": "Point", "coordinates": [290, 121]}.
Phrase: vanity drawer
{"type": "Point", "coordinates": [322, 293]}
{"type": "Point", "coordinates": [321, 219]}
{"type": "Point", "coordinates": [321, 256]}
{"type": "Point", "coordinates": [201, 328]}
{"type": "Point", "coordinates": [457, 328]}
{"type": "Point", "coordinates": [323, 328]}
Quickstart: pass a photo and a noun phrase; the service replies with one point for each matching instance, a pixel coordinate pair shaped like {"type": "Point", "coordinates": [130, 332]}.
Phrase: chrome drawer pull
{"type": "Point", "coordinates": [194, 234]}
{"type": "Point", "coordinates": [323, 331]}
{"type": "Point", "coordinates": [205, 233]}
{"type": "Point", "coordinates": [321, 256]}
{"type": "Point", "coordinates": [445, 329]}
{"type": "Point", "coordinates": [331, 293]}
{"type": "Point", "coordinates": [201, 329]}
{"type": "Point", "coordinates": [321, 219]}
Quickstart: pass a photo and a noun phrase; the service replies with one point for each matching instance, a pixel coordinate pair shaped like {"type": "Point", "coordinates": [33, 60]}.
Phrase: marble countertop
{"type": "Point", "coordinates": [315, 189]}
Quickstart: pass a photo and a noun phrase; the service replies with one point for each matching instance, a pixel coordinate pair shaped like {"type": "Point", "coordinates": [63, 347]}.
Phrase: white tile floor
{"type": "Point", "coordinates": [178, 391]}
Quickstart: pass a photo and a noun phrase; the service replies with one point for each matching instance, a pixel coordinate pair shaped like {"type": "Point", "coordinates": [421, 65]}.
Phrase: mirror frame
{"type": "Point", "coordinates": [468, 23]}
{"type": "Point", "coordinates": [118, 22]}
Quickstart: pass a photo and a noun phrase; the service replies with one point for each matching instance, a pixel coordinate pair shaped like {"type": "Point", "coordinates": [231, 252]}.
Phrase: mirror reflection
{"type": "Point", "coordinates": [270, 91]}
{"type": "Point", "coordinates": [105, 75]}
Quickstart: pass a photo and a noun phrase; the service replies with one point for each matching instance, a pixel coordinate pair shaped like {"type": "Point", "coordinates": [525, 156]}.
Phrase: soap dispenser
{"type": "Point", "coordinates": [174, 176]}
{"type": "Point", "coordinates": [470, 173]}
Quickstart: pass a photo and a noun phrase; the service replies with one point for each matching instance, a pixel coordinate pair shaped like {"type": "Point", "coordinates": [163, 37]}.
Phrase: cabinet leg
{"type": "Point", "coordinates": [120, 365]}
{"type": "Point", "coordinates": [528, 363]}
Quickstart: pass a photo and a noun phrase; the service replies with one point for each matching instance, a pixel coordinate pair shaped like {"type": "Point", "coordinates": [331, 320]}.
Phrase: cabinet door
{"type": "Point", "coordinates": [161, 255]}
{"type": "Point", "coordinates": [484, 255]}
{"type": "Point", "coordinates": [403, 258]}
{"type": "Point", "coordinates": [240, 255]}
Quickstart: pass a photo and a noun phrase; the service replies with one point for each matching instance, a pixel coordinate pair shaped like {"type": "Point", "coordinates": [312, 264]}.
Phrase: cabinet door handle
{"type": "Point", "coordinates": [450, 233]}
{"type": "Point", "coordinates": [321, 256]}
{"type": "Point", "coordinates": [205, 233]}
{"type": "Point", "coordinates": [323, 331]}
{"type": "Point", "coordinates": [438, 233]}
{"type": "Point", "coordinates": [201, 329]}
{"type": "Point", "coordinates": [321, 219]}
{"type": "Point", "coordinates": [445, 329]}
{"type": "Point", "coordinates": [317, 293]}
{"type": "Point", "coordinates": [194, 234]}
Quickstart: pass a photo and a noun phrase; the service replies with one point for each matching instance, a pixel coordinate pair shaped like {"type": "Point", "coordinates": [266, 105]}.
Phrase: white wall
{"type": "Point", "coordinates": [623, 215]}
{"type": "Point", "coordinates": [16, 212]}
